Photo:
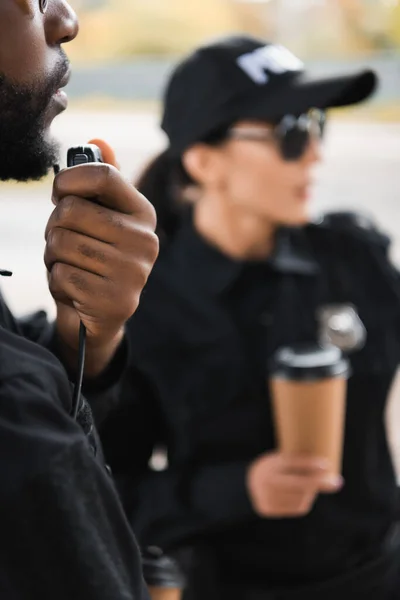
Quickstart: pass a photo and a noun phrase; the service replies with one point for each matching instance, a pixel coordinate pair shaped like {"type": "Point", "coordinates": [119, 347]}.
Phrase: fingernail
{"type": "Point", "coordinates": [336, 481]}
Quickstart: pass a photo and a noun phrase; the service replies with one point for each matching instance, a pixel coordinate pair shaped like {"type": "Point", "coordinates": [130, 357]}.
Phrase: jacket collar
{"type": "Point", "coordinates": [199, 262]}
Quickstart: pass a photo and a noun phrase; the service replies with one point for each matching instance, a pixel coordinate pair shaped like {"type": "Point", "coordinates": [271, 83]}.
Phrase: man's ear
{"type": "Point", "coordinates": [201, 163]}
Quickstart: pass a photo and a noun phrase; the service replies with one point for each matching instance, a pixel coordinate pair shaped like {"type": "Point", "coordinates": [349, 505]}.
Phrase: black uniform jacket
{"type": "Point", "coordinates": [63, 532]}
{"type": "Point", "coordinates": [203, 335]}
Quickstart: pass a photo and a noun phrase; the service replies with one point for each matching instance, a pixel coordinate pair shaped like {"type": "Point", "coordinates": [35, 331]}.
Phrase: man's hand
{"type": "Point", "coordinates": [100, 249]}
{"type": "Point", "coordinates": [284, 486]}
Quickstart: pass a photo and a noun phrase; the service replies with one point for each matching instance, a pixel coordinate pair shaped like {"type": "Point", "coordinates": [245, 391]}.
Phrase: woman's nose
{"type": "Point", "coordinates": [313, 153]}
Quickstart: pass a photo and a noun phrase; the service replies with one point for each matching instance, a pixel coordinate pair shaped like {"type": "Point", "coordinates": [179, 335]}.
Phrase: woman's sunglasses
{"type": "Point", "coordinates": [291, 134]}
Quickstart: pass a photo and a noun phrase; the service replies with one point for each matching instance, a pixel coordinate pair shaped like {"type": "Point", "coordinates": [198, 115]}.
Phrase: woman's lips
{"type": "Point", "coordinates": [303, 192]}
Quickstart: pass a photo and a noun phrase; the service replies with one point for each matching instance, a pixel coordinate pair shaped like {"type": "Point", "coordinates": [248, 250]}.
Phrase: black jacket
{"type": "Point", "coordinates": [203, 334]}
{"type": "Point", "coordinates": [63, 531]}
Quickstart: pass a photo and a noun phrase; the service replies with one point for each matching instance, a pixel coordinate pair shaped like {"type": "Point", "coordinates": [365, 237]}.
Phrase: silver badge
{"type": "Point", "coordinates": [340, 325]}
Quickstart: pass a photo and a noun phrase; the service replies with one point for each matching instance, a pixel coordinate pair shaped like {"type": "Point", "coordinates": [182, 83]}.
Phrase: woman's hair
{"type": "Point", "coordinates": [164, 182]}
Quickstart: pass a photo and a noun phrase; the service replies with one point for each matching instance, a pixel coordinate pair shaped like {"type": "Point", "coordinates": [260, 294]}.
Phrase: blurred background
{"type": "Point", "coordinates": [124, 52]}
{"type": "Point", "coordinates": [121, 59]}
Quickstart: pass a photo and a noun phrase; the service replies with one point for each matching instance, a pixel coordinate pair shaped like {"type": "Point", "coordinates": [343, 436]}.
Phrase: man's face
{"type": "Point", "coordinates": [33, 68]}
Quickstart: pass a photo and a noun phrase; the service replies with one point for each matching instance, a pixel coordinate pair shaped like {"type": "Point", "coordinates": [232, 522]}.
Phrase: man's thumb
{"type": "Point", "coordinates": [106, 151]}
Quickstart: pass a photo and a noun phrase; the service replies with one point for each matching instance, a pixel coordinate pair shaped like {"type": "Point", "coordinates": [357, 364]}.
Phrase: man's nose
{"type": "Point", "coordinates": [61, 23]}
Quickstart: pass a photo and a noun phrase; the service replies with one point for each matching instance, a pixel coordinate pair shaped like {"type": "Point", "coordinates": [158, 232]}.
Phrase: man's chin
{"type": "Point", "coordinates": [27, 149]}
{"type": "Point", "coordinates": [31, 163]}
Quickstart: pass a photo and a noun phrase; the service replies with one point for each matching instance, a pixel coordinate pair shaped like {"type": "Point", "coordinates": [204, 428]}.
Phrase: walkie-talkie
{"type": "Point", "coordinates": [80, 155]}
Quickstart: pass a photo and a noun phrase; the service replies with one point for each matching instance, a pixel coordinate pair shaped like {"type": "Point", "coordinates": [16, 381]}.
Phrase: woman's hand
{"type": "Point", "coordinates": [287, 486]}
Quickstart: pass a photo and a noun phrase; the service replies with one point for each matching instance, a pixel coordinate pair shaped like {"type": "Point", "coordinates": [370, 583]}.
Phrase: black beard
{"type": "Point", "coordinates": [26, 153]}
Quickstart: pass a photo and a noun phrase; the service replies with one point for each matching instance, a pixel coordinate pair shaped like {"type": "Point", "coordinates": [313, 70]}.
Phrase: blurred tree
{"type": "Point", "coordinates": [394, 25]}
{"type": "Point", "coordinates": [115, 29]}
{"type": "Point", "coordinates": [121, 28]}
{"type": "Point", "coordinates": [367, 23]}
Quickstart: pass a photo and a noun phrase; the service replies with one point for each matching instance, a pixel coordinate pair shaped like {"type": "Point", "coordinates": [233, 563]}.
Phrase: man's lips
{"type": "Point", "coordinates": [60, 100]}
{"type": "Point", "coordinates": [65, 80]}
{"type": "Point", "coordinates": [60, 97]}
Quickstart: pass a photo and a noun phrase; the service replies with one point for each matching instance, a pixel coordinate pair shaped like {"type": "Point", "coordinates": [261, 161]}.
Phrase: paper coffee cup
{"type": "Point", "coordinates": [309, 386]}
{"type": "Point", "coordinates": [160, 593]}
{"type": "Point", "coordinates": [165, 580]}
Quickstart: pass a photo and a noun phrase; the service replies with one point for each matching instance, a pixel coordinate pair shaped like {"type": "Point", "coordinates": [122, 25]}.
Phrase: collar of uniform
{"type": "Point", "coordinates": [216, 272]}
{"type": "Point", "coordinates": [292, 253]}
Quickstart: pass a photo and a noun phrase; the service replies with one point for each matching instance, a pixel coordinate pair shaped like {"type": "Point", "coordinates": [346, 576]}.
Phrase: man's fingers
{"type": "Point", "coordinates": [80, 251]}
{"type": "Point", "coordinates": [82, 216]}
{"type": "Point", "coordinates": [95, 257]}
{"type": "Point", "coordinates": [74, 286]}
{"type": "Point", "coordinates": [103, 184]}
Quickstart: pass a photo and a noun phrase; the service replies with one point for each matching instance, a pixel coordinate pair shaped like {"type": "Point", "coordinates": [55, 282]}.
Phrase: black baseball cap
{"type": "Point", "coordinates": [240, 77]}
